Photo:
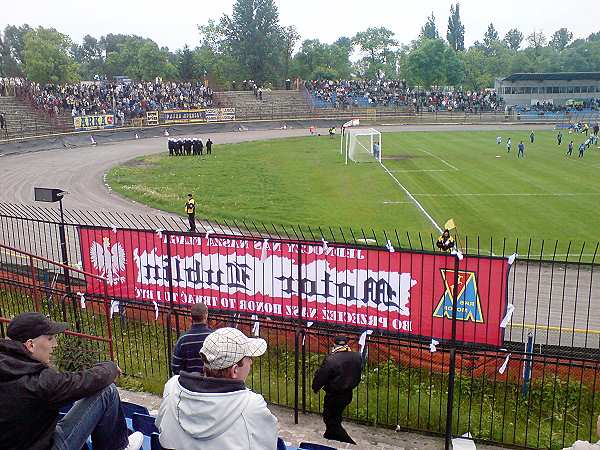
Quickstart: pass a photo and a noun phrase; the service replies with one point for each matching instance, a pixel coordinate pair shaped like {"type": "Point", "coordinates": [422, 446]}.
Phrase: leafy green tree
{"type": "Point", "coordinates": [14, 39]}
{"type": "Point", "coordinates": [490, 39]}
{"type": "Point", "coordinates": [152, 62]}
{"type": "Point", "coordinates": [476, 74]}
{"type": "Point", "coordinates": [456, 30]}
{"type": "Point", "coordinates": [139, 59]}
{"type": "Point", "coordinates": [429, 30]}
{"type": "Point", "coordinates": [47, 57]}
{"type": "Point", "coordinates": [12, 50]}
{"type": "Point", "coordinates": [112, 42]}
{"type": "Point", "coordinates": [340, 52]}
{"type": "Point", "coordinates": [89, 57]}
{"type": "Point", "coordinates": [432, 62]}
{"type": "Point", "coordinates": [523, 62]}
{"type": "Point", "coordinates": [560, 39]}
{"type": "Point", "coordinates": [186, 64]}
{"type": "Point", "coordinates": [212, 37]}
{"type": "Point", "coordinates": [290, 39]}
{"type": "Point", "coordinates": [376, 43]}
{"type": "Point", "coordinates": [513, 39]}
{"type": "Point", "coordinates": [251, 34]}
{"type": "Point", "coordinates": [213, 59]}
{"type": "Point", "coordinates": [318, 60]}
{"type": "Point", "coordinates": [312, 55]}
{"type": "Point", "coordinates": [536, 40]}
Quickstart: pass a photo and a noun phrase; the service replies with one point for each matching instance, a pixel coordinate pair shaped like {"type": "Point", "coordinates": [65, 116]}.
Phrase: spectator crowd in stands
{"type": "Point", "coordinates": [125, 100]}
{"type": "Point", "coordinates": [592, 104]}
{"type": "Point", "coordinates": [395, 93]}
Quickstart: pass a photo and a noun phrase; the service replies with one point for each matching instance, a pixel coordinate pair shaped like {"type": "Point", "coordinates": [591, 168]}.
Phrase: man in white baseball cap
{"type": "Point", "coordinates": [216, 410]}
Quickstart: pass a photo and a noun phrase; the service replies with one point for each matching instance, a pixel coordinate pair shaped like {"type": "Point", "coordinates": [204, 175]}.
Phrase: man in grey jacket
{"type": "Point", "coordinates": [32, 392]}
{"type": "Point", "coordinates": [217, 411]}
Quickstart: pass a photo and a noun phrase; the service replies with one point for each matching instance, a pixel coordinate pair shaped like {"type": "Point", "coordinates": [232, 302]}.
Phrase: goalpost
{"type": "Point", "coordinates": [362, 145]}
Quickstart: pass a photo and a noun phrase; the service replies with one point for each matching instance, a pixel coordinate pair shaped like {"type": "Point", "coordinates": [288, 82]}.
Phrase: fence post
{"type": "Point", "coordinates": [303, 371]}
{"type": "Point", "coordinates": [170, 313]}
{"type": "Point", "coordinates": [36, 296]}
{"type": "Point", "coordinates": [297, 335]}
{"type": "Point", "coordinates": [528, 364]}
{"type": "Point", "coordinates": [107, 311]}
{"type": "Point", "coordinates": [452, 368]}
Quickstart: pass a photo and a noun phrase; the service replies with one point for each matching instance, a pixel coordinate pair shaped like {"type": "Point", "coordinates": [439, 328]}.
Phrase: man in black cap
{"type": "Point", "coordinates": [338, 375]}
{"type": "Point", "coordinates": [32, 392]}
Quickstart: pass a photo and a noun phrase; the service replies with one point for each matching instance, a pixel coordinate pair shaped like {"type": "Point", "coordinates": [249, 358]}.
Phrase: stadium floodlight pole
{"type": "Point", "coordinates": [52, 196]}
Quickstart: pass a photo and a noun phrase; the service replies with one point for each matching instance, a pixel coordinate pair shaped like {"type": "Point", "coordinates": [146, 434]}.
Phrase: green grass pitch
{"type": "Point", "coordinates": [460, 174]}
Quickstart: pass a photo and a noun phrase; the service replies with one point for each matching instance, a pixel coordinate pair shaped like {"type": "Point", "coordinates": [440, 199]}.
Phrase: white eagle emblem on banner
{"type": "Point", "coordinates": [109, 261]}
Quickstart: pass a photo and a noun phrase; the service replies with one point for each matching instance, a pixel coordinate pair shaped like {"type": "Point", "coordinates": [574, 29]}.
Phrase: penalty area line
{"type": "Point", "coordinates": [414, 200]}
{"type": "Point", "coordinates": [438, 158]}
{"type": "Point", "coordinates": [420, 170]}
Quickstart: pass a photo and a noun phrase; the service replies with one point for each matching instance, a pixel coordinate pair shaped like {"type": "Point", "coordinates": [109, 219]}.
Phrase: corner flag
{"type": "Point", "coordinates": [449, 225]}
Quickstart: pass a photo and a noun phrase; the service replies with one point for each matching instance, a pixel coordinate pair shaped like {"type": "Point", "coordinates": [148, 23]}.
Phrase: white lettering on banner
{"type": "Point", "coordinates": [276, 277]}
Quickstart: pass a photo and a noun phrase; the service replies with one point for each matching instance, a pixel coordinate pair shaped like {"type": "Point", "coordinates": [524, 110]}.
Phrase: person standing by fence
{"type": "Point", "coordinates": [186, 355]}
{"type": "Point", "coordinates": [209, 144]}
{"type": "Point", "coordinates": [338, 375]}
{"type": "Point", "coordinates": [190, 209]}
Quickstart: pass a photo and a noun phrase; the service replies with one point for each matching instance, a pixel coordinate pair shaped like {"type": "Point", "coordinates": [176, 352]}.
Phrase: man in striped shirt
{"type": "Point", "coordinates": [186, 356]}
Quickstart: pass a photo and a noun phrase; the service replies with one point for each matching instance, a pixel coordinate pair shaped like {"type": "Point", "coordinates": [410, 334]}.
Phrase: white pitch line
{"type": "Point", "coordinates": [420, 170]}
{"type": "Point", "coordinates": [437, 157]}
{"type": "Point", "coordinates": [415, 201]}
{"type": "Point", "coordinates": [514, 194]}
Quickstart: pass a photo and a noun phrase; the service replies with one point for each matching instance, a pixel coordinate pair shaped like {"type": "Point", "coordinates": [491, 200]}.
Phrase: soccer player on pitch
{"type": "Point", "coordinates": [508, 145]}
{"type": "Point", "coordinates": [521, 153]}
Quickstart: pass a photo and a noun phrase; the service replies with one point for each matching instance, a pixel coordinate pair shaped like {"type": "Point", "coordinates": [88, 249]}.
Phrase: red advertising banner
{"type": "Point", "coordinates": [399, 292]}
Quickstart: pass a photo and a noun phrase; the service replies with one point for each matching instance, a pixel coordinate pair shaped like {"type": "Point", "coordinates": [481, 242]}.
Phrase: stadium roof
{"type": "Point", "coordinates": [553, 76]}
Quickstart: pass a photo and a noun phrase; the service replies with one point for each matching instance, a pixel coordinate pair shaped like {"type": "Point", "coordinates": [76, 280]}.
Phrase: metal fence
{"type": "Point", "coordinates": [539, 390]}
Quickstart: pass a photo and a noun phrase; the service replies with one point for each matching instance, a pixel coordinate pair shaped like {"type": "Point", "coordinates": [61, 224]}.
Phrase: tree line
{"type": "Point", "coordinates": [250, 43]}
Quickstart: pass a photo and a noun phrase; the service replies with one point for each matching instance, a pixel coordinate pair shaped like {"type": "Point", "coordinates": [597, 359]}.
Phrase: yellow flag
{"type": "Point", "coordinates": [449, 225]}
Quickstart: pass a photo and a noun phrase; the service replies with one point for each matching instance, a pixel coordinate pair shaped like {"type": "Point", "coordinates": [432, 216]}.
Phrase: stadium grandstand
{"type": "Point", "coordinates": [396, 93]}
{"type": "Point", "coordinates": [551, 92]}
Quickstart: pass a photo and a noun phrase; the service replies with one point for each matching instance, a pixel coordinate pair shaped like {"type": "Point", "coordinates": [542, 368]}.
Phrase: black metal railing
{"type": "Point", "coordinates": [538, 389]}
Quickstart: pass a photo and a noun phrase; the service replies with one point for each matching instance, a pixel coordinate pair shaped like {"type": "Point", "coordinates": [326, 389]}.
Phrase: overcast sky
{"type": "Point", "coordinates": [174, 24]}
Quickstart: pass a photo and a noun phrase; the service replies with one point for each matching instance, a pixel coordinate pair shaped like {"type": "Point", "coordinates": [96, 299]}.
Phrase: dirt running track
{"type": "Point", "coordinates": [80, 172]}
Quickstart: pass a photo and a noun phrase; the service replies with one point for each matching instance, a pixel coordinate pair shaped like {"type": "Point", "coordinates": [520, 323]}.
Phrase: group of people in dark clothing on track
{"type": "Point", "coordinates": [188, 146]}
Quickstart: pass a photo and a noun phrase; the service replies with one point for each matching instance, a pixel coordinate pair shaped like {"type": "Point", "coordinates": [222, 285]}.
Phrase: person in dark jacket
{"type": "Point", "coordinates": [338, 375]}
{"type": "Point", "coordinates": [186, 355]}
{"type": "Point", "coordinates": [32, 392]}
{"type": "Point", "coordinates": [445, 242]}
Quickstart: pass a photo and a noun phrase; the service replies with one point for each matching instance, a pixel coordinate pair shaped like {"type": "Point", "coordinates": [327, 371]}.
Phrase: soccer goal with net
{"type": "Point", "coordinates": [362, 145]}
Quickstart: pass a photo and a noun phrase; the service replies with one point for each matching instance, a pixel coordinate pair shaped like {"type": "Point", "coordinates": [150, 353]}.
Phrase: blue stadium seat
{"type": "Point", "coordinates": [281, 444]}
{"type": "Point", "coordinates": [130, 408]}
{"type": "Point", "coordinates": [154, 442]}
{"type": "Point", "coordinates": [311, 446]}
{"type": "Point", "coordinates": [144, 423]}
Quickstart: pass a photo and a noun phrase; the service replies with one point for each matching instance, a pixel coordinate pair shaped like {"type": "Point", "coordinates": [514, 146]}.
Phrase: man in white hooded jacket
{"type": "Point", "coordinates": [217, 411]}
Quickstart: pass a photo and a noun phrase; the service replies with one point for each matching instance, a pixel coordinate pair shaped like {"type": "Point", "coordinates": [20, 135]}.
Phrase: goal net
{"type": "Point", "coordinates": [363, 145]}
